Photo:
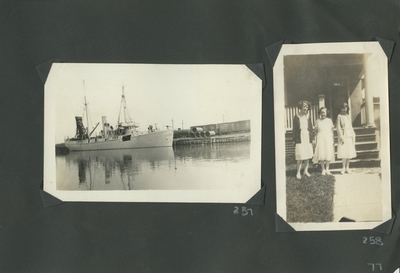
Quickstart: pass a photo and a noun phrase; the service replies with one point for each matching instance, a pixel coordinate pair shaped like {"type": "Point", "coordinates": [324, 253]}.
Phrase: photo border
{"type": "Point", "coordinates": [252, 195]}
{"type": "Point", "coordinates": [278, 76]}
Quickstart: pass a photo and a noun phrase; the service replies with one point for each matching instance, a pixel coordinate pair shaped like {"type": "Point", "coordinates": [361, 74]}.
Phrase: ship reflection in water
{"type": "Point", "coordinates": [184, 167]}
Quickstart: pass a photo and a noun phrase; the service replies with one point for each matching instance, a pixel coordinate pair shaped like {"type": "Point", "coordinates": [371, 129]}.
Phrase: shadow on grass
{"type": "Point", "coordinates": [309, 199]}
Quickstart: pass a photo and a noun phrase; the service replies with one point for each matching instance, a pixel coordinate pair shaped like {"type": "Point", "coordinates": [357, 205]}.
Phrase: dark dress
{"type": "Point", "coordinates": [302, 136]}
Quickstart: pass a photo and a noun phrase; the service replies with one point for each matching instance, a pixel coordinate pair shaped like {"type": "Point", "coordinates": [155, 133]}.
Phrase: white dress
{"type": "Point", "coordinates": [324, 149]}
{"type": "Point", "coordinates": [346, 149]}
{"type": "Point", "coordinates": [304, 149]}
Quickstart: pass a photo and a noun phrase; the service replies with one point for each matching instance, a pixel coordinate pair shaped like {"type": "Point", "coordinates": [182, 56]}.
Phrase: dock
{"type": "Point", "coordinates": [214, 139]}
{"type": "Point", "coordinates": [61, 149]}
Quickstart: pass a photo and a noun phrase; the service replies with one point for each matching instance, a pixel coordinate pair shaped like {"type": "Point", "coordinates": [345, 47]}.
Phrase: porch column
{"type": "Point", "coordinates": [330, 103]}
{"type": "Point", "coordinates": [321, 101]}
{"type": "Point", "coordinates": [369, 106]}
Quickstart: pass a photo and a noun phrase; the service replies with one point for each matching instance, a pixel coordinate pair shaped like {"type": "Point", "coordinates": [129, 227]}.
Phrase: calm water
{"type": "Point", "coordinates": [218, 166]}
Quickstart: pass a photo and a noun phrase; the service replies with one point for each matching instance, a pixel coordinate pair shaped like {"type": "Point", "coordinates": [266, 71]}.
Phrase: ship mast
{"type": "Point", "coordinates": [123, 104]}
{"type": "Point", "coordinates": [120, 106]}
{"type": "Point", "coordinates": [86, 111]}
{"type": "Point", "coordinates": [123, 97]}
{"type": "Point", "coordinates": [87, 119]}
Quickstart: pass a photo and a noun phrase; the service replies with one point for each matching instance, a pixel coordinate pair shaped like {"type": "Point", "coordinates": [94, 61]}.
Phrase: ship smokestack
{"type": "Point", "coordinates": [106, 126]}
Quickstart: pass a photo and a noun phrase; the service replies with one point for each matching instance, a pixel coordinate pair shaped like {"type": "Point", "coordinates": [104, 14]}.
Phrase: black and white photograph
{"type": "Point", "coordinates": [152, 133]}
{"type": "Point", "coordinates": [332, 136]}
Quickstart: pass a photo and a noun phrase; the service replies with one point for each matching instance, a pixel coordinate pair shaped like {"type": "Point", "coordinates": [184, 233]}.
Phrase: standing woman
{"type": "Point", "coordinates": [324, 151]}
{"type": "Point", "coordinates": [346, 138]}
{"type": "Point", "coordinates": [302, 136]}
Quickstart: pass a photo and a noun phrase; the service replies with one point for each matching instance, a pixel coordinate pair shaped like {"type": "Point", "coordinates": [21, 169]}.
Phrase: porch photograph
{"type": "Point", "coordinates": [332, 135]}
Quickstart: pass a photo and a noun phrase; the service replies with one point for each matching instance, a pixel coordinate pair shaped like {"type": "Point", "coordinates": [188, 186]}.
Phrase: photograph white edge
{"type": "Point", "coordinates": [278, 76]}
{"type": "Point", "coordinates": [164, 196]}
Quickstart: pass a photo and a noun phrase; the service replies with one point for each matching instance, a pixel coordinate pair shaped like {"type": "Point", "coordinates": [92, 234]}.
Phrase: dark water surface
{"type": "Point", "coordinates": [211, 166]}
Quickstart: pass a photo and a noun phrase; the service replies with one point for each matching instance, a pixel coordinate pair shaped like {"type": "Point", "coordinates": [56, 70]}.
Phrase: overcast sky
{"type": "Point", "coordinates": [194, 94]}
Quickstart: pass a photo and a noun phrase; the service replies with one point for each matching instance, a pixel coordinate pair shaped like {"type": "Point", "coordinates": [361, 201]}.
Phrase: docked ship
{"type": "Point", "coordinates": [125, 136]}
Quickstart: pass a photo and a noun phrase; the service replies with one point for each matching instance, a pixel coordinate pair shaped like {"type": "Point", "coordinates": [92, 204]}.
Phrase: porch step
{"type": "Point", "coordinates": [360, 139]}
{"type": "Point", "coordinates": [361, 136]}
{"type": "Point", "coordinates": [369, 154]}
{"type": "Point", "coordinates": [363, 146]}
{"type": "Point", "coordinates": [365, 138]}
{"type": "Point", "coordinates": [362, 155]}
{"type": "Point", "coordinates": [362, 130]}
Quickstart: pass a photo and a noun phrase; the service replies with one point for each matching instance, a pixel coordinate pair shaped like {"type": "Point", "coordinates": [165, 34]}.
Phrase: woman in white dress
{"type": "Point", "coordinates": [324, 150]}
{"type": "Point", "coordinates": [302, 137]}
{"type": "Point", "coordinates": [346, 138]}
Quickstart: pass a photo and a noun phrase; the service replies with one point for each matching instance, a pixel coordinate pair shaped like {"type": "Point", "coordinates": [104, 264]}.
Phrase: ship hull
{"type": "Point", "coordinates": [146, 140]}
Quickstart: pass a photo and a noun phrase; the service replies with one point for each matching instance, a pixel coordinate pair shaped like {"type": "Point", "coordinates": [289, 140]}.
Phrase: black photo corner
{"type": "Point", "coordinates": [41, 233]}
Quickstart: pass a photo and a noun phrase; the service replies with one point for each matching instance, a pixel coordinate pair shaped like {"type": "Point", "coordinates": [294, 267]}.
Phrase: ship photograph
{"type": "Point", "coordinates": [125, 136]}
{"type": "Point", "coordinates": [152, 133]}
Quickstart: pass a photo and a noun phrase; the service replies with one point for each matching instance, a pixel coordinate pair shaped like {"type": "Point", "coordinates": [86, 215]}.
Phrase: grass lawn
{"type": "Point", "coordinates": [309, 199]}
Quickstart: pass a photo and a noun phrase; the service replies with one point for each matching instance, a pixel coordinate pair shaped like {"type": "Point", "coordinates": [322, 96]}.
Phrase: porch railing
{"type": "Point", "coordinates": [291, 111]}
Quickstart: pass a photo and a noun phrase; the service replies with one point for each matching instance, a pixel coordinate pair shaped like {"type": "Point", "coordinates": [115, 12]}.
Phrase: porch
{"type": "Point", "coordinates": [329, 80]}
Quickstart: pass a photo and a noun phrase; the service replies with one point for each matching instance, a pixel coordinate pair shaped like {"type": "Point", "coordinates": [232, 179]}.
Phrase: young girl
{"type": "Point", "coordinates": [324, 151]}
{"type": "Point", "coordinates": [302, 136]}
{"type": "Point", "coordinates": [346, 138]}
